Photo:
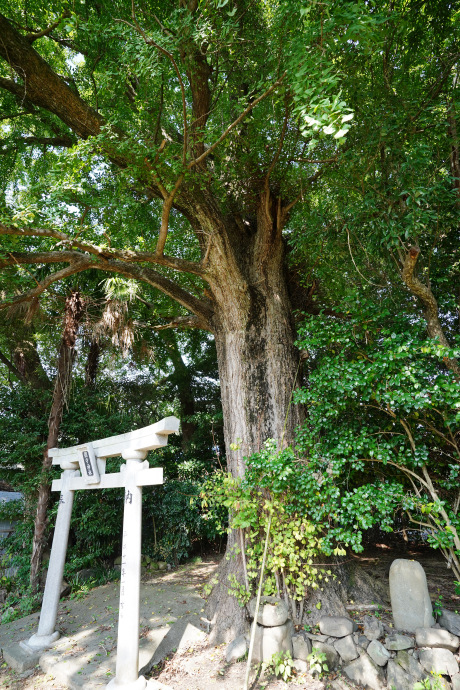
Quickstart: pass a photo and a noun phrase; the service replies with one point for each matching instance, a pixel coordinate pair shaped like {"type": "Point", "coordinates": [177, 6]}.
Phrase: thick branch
{"type": "Point", "coordinates": [33, 295]}
{"type": "Point", "coordinates": [182, 322]}
{"type": "Point", "coordinates": [42, 85]}
{"type": "Point", "coordinates": [430, 305]}
{"type": "Point", "coordinates": [63, 141]}
{"type": "Point", "coordinates": [80, 262]}
{"type": "Point", "coordinates": [126, 255]}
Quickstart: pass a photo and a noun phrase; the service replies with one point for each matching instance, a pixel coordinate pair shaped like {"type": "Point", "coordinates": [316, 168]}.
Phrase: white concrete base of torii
{"type": "Point", "coordinates": [84, 468]}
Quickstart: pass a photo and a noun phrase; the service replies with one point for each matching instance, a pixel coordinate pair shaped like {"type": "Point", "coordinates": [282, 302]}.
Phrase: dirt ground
{"type": "Point", "coordinates": [200, 667]}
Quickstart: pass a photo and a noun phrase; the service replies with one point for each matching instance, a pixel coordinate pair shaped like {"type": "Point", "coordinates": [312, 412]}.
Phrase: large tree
{"type": "Point", "coordinates": [171, 144]}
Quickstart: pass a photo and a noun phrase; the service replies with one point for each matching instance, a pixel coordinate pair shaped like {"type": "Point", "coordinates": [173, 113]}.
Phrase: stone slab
{"type": "Point", "coordinates": [19, 659]}
{"type": "Point", "coordinates": [450, 621]}
{"type": "Point", "coordinates": [364, 671]}
{"type": "Point", "coordinates": [397, 642]}
{"type": "Point", "coordinates": [346, 648]}
{"type": "Point", "coordinates": [429, 637]}
{"type": "Point", "coordinates": [372, 628]}
{"type": "Point", "coordinates": [410, 600]}
{"type": "Point", "coordinates": [336, 626]}
{"type": "Point", "coordinates": [301, 647]}
{"type": "Point", "coordinates": [378, 653]}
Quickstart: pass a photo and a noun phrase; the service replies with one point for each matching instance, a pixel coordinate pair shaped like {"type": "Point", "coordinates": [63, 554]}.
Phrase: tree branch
{"type": "Point", "coordinates": [162, 50]}
{"type": "Point", "coordinates": [79, 262]}
{"type": "Point", "coordinates": [42, 85]}
{"type": "Point", "coordinates": [12, 368]}
{"type": "Point", "coordinates": [126, 255]}
{"type": "Point", "coordinates": [39, 34]}
{"type": "Point", "coordinates": [236, 122]}
{"type": "Point", "coordinates": [425, 295]}
{"type": "Point", "coordinates": [183, 322]}
{"type": "Point", "coordinates": [63, 141]}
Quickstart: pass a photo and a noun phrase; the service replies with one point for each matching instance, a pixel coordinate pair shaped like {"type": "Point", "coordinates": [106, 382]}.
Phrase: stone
{"type": "Point", "coordinates": [65, 589]}
{"type": "Point", "coordinates": [85, 575]}
{"type": "Point", "coordinates": [117, 561]}
{"type": "Point", "coordinates": [18, 659]}
{"type": "Point", "coordinates": [317, 638]}
{"type": "Point", "coordinates": [162, 565]}
{"type": "Point", "coordinates": [236, 649]}
{"type": "Point", "coordinates": [363, 641]}
{"type": "Point", "coordinates": [346, 648]}
{"type": "Point", "coordinates": [269, 641]}
{"type": "Point", "coordinates": [378, 653]}
{"type": "Point", "coordinates": [396, 642]}
{"type": "Point", "coordinates": [455, 680]}
{"type": "Point", "coordinates": [332, 658]}
{"type": "Point", "coordinates": [301, 647]}
{"type": "Point", "coordinates": [272, 611]}
{"type": "Point", "coordinates": [373, 628]}
{"type": "Point", "coordinates": [337, 626]}
{"type": "Point", "coordinates": [300, 665]}
{"type": "Point", "coordinates": [364, 671]}
{"type": "Point", "coordinates": [450, 621]}
{"type": "Point", "coordinates": [410, 665]}
{"type": "Point", "coordinates": [439, 660]}
{"type": "Point", "coordinates": [444, 683]}
{"type": "Point", "coordinates": [429, 637]}
{"type": "Point", "coordinates": [398, 678]}
{"type": "Point", "coordinates": [410, 600]}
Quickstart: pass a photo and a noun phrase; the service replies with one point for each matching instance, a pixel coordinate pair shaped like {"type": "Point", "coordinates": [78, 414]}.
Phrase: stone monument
{"type": "Point", "coordinates": [84, 468]}
{"type": "Point", "coordinates": [410, 599]}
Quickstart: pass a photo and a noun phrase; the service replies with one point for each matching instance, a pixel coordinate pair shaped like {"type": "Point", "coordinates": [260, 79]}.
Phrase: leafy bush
{"type": "Point", "coordinates": [382, 431]}
{"type": "Point", "coordinates": [272, 485]}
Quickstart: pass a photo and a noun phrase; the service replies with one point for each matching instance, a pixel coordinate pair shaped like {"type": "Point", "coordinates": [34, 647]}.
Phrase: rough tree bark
{"type": "Point", "coordinates": [73, 314]}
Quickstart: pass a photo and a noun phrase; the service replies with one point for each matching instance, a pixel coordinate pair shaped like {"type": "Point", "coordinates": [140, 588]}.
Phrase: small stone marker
{"type": "Point", "coordinates": [410, 600]}
{"type": "Point", "coordinates": [135, 474]}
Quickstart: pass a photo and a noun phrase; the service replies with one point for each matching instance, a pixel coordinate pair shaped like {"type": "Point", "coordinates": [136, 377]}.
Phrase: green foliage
{"type": "Point", "coordinates": [383, 414]}
{"type": "Point", "coordinates": [175, 522]}
{"type": "Point", "coordinates": [433, 683]}
{"type": "Point", "coordinates": [272, 485]}
{"type": "Point", "coordinates": [281, 665]}
{"type": "Point", "coordinates": [318, 662]}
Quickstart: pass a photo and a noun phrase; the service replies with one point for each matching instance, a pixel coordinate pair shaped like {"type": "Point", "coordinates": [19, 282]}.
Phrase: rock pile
{"type": "Point", "coordinates": [372, 654]}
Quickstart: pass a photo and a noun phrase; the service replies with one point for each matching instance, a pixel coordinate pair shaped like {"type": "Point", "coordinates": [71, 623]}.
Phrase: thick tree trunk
{"type": "Point", "coordinates": [73, 313]}
{"type": "Point", "coordinates": [258, 369]}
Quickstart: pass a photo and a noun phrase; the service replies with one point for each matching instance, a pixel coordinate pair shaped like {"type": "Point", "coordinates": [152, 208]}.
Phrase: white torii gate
{"type": "Point", "coordinates": [89, 459]}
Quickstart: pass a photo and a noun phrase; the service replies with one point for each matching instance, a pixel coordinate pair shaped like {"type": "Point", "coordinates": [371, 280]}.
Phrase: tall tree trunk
{"type": "Point", "coordinates": [73, 314]}
{"type": "Point", "coordinates": [258, 368]}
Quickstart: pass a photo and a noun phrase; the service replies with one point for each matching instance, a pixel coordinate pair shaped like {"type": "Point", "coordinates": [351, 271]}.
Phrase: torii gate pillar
{"type": "Point", "coordinates": [90, 459]}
